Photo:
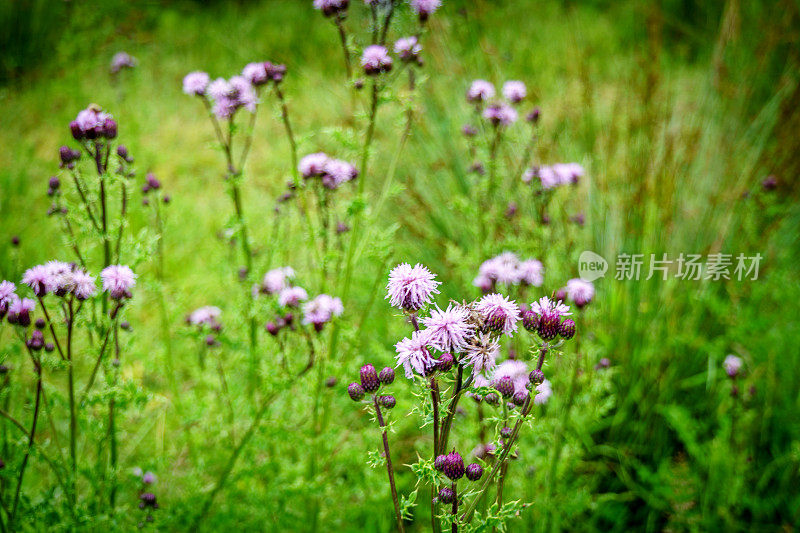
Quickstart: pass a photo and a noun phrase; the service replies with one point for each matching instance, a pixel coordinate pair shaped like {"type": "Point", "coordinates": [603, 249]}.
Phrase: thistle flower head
{"type": "Point", "coordinates": [454, 466]}
{"type": "Point", "coordinates": [92, 123]}
{"type": "Point", "coordinates": [118, 280]}
{"type": "Point", "coordinates": [502, 269]}
{"type": "Point", "coordinates": [196, 83]}
{"type": "Point", "coordinates": [83, 285]}
{"type": "Point", "coordinates": [356, 391]}
{"type": "Point", "coordinates": [411, 288]}
{"type": "Point", "coordinates": [474, 471]}
{"type": "Point", "coordinates": [256, 73]}
{"type": "Point", "coordinates": [449, 330]}
{"type": "Point", "coordinates": [515, 370]}
{"type": "Point", "coordinates": [122, 60]}
{"type": "Point", "coordinates": [321, 310]}
{"type": "Point", "coordinates": [60, 277]}
{"type": "Point", "coordinates": [207, 315]}
{"type": "Point", "coordinates": [276, 280]}
{"type": "Point", "coordinates": [530, 272]}
{"type": "Point", "coordinates": [413, 354]}
{"type": "Point", "coordinates": [19, 310]}
{"type": "Point", "coordinates": [331, 7]}
{"type": "Point", "coordinates": [733, 365]}
{"type": "Point", "coordinates": [481, 353]}
{"type": "Point", "coordinates": [292, 296]}
{"type": "Point", "coordinates": [7, 294]}
{"type": "Point", "coordinates": [581, 292]}
{"type": "Point", "coordinates": [375, 59]}
{"type": "Point", "coordinates": [38, 279]}
{"type": "Point", "coordinates": [313, 165]}
{"type": "Point", "coordinates": [336, 172]}
{"type": "Point", "coordinates": [543, 392]}
{"type": "Point", "coordinates": [514, 91]}
{"type": "Point", "coordinates": [544, 305]}
{"type": "Point", "coordinates": [425, 8]}
{"type": "Point", "coordinates": [499, 313]}
{"type": "Point", "coordinates": [480, 91]}
{"type": "Point", "coordinates": [407, 48]}
{"type": "Point", "coordinates": [568, 173]}
{"type": "Point", "coordinates": [500, 114]}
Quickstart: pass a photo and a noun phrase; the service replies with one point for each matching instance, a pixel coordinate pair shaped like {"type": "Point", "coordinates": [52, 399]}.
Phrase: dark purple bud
{"type": "Point", "coordinates": [520, 398]}
{"type": "Point", "coordinates": [109, 128]}
{"type": "Point", "coordinates": [331, 382]}
{"type": "Point", "coordinates": [272, 328]}
{"type": "Point", "coordinates": [533, 116]}
{"type": "Point", "coordinates": [568, 329]}
{"type": "Point", "coordinates": [49, 347]}
{"type": "Point", "coordinates": [369, 378]}
{"type": "Point", "coordinates": [454, 467]}
{"type": "Point", "coordinates": [3, 370]}
{"type": "Point", "coordinates": [387, 401]}
{"type": "Point", "coordinates": [145, 201]}
{"type": "Point", "coordinates": [446, 495]}
{"type": "Point", "coordinates": [445, 362]}
{"type": "Point", "coordinates": [549, 325]}
{"type": "Point", "coordinates": [122, 151]}
{"type": "Point", "coordinates": [15, 240]}
{"type": "Point", "coordinates": [504, 386]}
{"type": "Point", "coordinates": [54, 182]}
{"type": "Point", "coordinates": [530, 321]}
{"type": "Point", "coordinates": [36, 341]}
{"type": "Point", "coordinates": [536, 377]}
{"type": "Point", "coordinates": [439, 462]}
{"type": "Point", "coordinates": [561, 294]}
{"type": "Point", "coordinates": [492, 398]}
{"type": "Point", "coordinates": [341, 227]}
{"type": "Point", "coordinates": [152, 181]}
{"type": "Point", "coordinates": [355, 391]}
{"type": "Point", "coordinates": [148, 499]}
{"type": "Point", "coordinates": [386, 376]}
{"type": "Point", "coordinates": [77, 132]}
{"type": "Point", "coordinates": [288, 318]}
{"type": "Point", "coordinates": [358, 84]}
{"type": "Point", "coordinates": [505, 432]}
{"type": "Point", "coordinates": [40, 323]}
{"type": "Point", "coordinates": [474, 471]}
{"type": "Point", "coordinates": [770, 183]}
{"type": "Point", "coordinates": [166, 199]}
{"type": "Point", "coordinates": [210, 340]}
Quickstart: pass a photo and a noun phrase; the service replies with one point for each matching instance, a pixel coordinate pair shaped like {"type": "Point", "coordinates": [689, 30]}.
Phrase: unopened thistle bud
{"type": "Point", "coordinates": [530, 321]}
{"type": "Point", "coordinates": [536, 377]}
{"type": "Point", "coordinates": [355, 391]}
{"type": "Point", "coordinates": [439, 462]}
{"type": "Point", "coordinates": [40, 323]}
{"type": "Point", "coordinates": [454, 467]}
{"type": "Point", "coordinates": [369, 378]}
{"type": "Point", "coordinates": [505, 432]}
{"type": "Point", "coordinates": [272, 328]}
{"type": "Point", "coordinates": [36, 341]}
{"type": "Point", "coordinates": [504, 386]}
{"type": "Point", "coordinates": [568, 329]}
{"type": "Point", "coordinates": [474, 471]}
{"type": "Point", "coordinates": [445, 362]}
{"type": "Point", "coordinates": [386, 375]}
{"type": "Point", "coordinates": [387, 401]}
{"type": "Point", "coordinates": [492, 398]}
{"type": "Point", "coordinates": [520, 398]}
{"type": "Point", "coordinates": [446, 495]}
{"type": "Point", "coordinates": [549, 325]}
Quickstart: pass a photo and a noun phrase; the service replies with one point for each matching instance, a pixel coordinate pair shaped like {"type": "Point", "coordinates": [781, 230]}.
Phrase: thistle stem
{"type": "Point", "coordinates": [389, 468]}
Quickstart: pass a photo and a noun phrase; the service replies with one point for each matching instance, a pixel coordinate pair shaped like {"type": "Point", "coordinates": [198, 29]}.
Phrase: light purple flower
{"type": "Point", "coordinates": [331, 7]}
{"type": "Point", "coordinates": [568, 173]}
{"type": "Point", "coordinates": [425, 8]}
{"type": "Point", "coordinates": [414, 355]}
{"type": "Point", "coordinates": [292, 296]}
{"type": "Point", "coordinates": [501, 269]}
{"type": "Point", "coordinates": [321, 310]}
{"type": "Point", "coordinates": [7, 296]}
{"type": "Point", "coordinates": [481, 353]}
{"type": "Point", "coordinates": [516, 370]}
{"type": "Point", "coordinates": [449, 330]}
{"type": "Point", "coordinates": [19, 311]}
{"type": "Point", "coordinates": [118, 280]}
{"type": "Point", "coordinates": [148, 478]}
{"type": "Point", "coordinates": [531, 272]}
{"type": "Point", "coordinates": [548, 177]}
{"type": "Point", "coordinates": [480, 91]}
{"type": "Point", "coordinates": [196, 83]}
{"type": "Point", "coordinates": [732, 365]}
{"type": "Point", "coordinates": [336, 172]}
{"type": "Point", "coordinates": [313, 164]}
{"type": "Point", "coordinates": [407, 48]}
{"type": "Point", "coordinates": [60, 277]}
{"type": "Point", "coordinates": [500, 114]}
{"type": "Point", "coordinates": [579, 291]}
{"type": "Point", "coordinates": [219, 88]}
{"type": "Point", "coordinates": [207, 315]}
{"type": "Point", "coordinates": [545, 304]}
{"type": "Point", "coordinates": [499, 312]}
{"type": "Point", "coordinates": [514, 91]}
{"type": "Point", "coordinates": [83, 285]}
{"type": "Point", "coordinates": [256, 73]}
{"type": "Point", "coordinates": [543, 392]}
{"type": "Point", "coordinates": [277, 279]}
{"type": "Point", "coordinates": [244, 94]}
{"type": "Point", "coordinates": [410, 288]}
{"type": "Point", "coordinates": [122, 60]}
{"type": "Point", "coordinates": [375, 59]}
{"type": "Point", "coordinates": [529, 174]}
{"type": "Point", "coordinates": [38, 279]}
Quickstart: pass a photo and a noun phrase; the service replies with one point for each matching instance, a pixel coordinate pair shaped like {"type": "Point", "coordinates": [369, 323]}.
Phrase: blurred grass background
{"type": "Point", "coordinates": [678, 109]}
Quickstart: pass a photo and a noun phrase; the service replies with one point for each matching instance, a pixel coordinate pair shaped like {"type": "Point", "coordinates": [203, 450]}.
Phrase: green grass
{"type": "Point", "coordinates": [675, 110]}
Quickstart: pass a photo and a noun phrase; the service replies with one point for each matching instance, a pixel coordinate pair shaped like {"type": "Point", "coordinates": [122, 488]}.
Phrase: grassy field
{"type": "Point", "coordinates": [677, 111]}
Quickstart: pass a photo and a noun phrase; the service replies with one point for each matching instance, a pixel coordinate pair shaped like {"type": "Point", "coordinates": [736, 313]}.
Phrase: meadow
{"type": "Point", "coordinates": [206, 395]}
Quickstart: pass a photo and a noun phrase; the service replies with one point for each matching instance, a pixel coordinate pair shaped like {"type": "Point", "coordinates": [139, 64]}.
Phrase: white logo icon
{"type": "Point", "coordinates": [591, 266]}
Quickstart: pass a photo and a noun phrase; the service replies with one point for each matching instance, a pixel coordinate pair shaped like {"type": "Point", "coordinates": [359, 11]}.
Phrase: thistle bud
{"type": "Point", "coordinates": [439, 462]}
{"type": "Point", "coordinates": [504, 386]}
{"type": "Point", "coordinates": [36, 341]}
{"type": "Point", "coordinates": [331, 382]}
{"type": "Point", "coordinates": [355, 391]}
{"type": "Point", "coordinates": [272, 328]}
{"type": "Point", "coordinates": [386, 376]}
{"type": "Point", "coordinates": [474, 471]}
{"type": "Point", "coordinates": [536, 377]}
{"type": "Point", "coordinates": [454, 466]}
{"type": "Point", "coordinates": [369, 378]}
{"type": "Point", "coordinates": [530, 321]}
{"type": "Point", "coordinates": [505, 432]}
{"type": "Point", "coordinates": [568, 329]}
{"type": "Point", "coordinates": [446, 495]}
{"type": "Point", "coordinates": [549, 325]}
{"type": "Point", "coordinates": [492, 398]}
{"type": "Point", "coordinates": [387, 401]}
{"type": "Point", "coordinates": [520, 398]}
{"type": "Point", "coordinates": [40, 323]}
{"type": "Point", "coordinates": [445, 362]}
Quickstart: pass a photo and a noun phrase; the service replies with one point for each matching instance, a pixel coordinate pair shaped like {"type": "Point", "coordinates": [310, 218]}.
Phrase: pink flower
{"type": "Point", "coordinates": [425, 8]}
{"type": "Point", "coordinates": [7, 296]}
{"type": "Point", "coordinates": [514, 369]}
{"type": "Point", "coordinates": [514, 91]}
{"type": "Point", "coordinates": [413, 354]}
{"type": "Point", "coordinates": [543, 392]}
{"type": "Point", "coordinates": [337, 172]}
{"type": "Point", "coordinates": [375, 59]}
{"type": "Point", "coordinates": [579, 291]}
{"type": "Point", "coordinates": [480, 91]}
{"type": "Point", "coordinates": [19, 311]}
{"type": "Point", "coordinates": [206, 315]}
{"type": "Point", "coordinates": [568, 173]}
{"type": "Point", "coordinates": [500, 313]}
{"type": "Point", "coordinates": [256, 73]}
{"type": "Point", "coordinates": [407, 48]}
{"type": "Point", "coordinates": [546, 305]}
{"type": "Point", "coordinates": [38, 279]}
{"type": "Point", "coordinates": [321, 310]}
{"type": "Point", "coordinates": [449, 330]}
{"type": "Point", "coordinates": [410, 288]}
{"type": "Point", "coordinates": [277, 279]}
{"type": "Point", "coordinates": [500, 114]}
{"type": "Point", "coordinates": [122, 60]}
{"type": "Point", "coordinates": [118, 280]}
{"type": "Point", "coordinates": [501, 268]}
{"type": "Point", "coordinates": [531, 272]}
{"type": "Point", "coordinates": [292, 296]}
{"type": "Point", "coordinates": [313, 165]}
{"type": "Point", "coordinates": [481, 353]}
{"type": "Point", "coordinates": [732, 365]}
{"type": "Point", "coordinates": [331, 7]}
{"type": "Point", "coordinates": [83, 285]}
{"type": "Point", "coordinates": [196, 83]}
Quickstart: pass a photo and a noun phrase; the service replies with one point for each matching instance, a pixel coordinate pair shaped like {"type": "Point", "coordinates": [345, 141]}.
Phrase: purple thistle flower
{"type": "Point", "coordinates": [543, 393]}
{"type": "Point", "coordinates": [446, 495]}
{"type": "Point", "coordinates": [454, 467]}
{"type": "Point", "coordinates": [375, 59]}
{"type": "Point", "coordinates": [292, 296]}
{"type": "Point", "coordinates": [148, 478]}
{"type": "Point", "coordinates": [515, 370]}
{"type": "Point", "coordinates": [92, 123]}
{"type": "Point", "coordinates": [207, 315]}
{"type": "Point", "coordinates": [7, 295]}
{"type": "Point", "coordinates": [580, 292]}
{"type": "Point", "coordinates": [474, 471]}
{"type": "Point", "coordinates": [122, 60]}
{"type": "Point", "coordinates": [277, 280]}
{"type": "Point", "coordinates": [321, 310]}
{"type": "Point", "coordinates": [19, 311]}
{"type": "Point", "coordinates": [568, 173]}
{"type": "Point", "coordinates": [387, 401]}
{"type": "Point", "coordinates": [414, 355]}
{"type": "Point", "coordinates": [256, 73]}
{"type": "Point", "coordinates": [313, 165]}
{"type": "Point", "coordinates": [118, 280]}
{"type": "Point", "coordinates": [499, 312]}
{"type": "Point", "coordinates": [386, 375]}
{"type": "Point", "coordinates": [445, 362]}
{"type": "Point", "coordinates": [501, 269]}
{"type": "Point", "coordinates": [410, 288]}
{"type": "Point", "coordinates": [531, 272]}
{"type": "Point", "coordinates": [336, 172]}
{"type": "Point", "coordinates": [425, 8]}
{"type": "Point", "coordinates": [567, 329]}
{"type": "Point", "coordinates": [732, 365]}
{"type": "Point", "coordinates": [83, 285]}
{"type": "Point", "coordinates": [356, 391]}
{"type": "Point", "coordinates": [38, 279]}
{"type": "Point", "coordinates": [60, 277]}
{"type": "Point", "coordinates": [369, 378]}
{"type": "Point", "coordinates": [514, 91]}
{"type": "Point", "coordinates": [500, 114]}
{"type": "Point", "coordinates": [480, 91]}
{"type": "Point", "coordinates": [219, 88]}
{"type": "Point", "coordinates": [545, 304]}
{"type": "Point", "coordinates": [482, 353]}
{"type": "Point", "coordinates": [449, 330]}
{"type": "Point", "coordinates": [504, 386]}
{"type": "Point", "coordinates": [196, 83]}
{"type": "Point", "coordinates": [331, 7]}
{"type": "Point", "coordinates": [439, 462]}
{"type": "Point", "coordinates": [407, 48]}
